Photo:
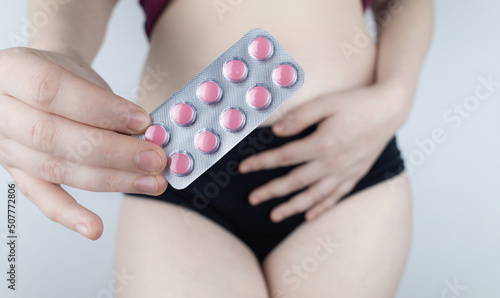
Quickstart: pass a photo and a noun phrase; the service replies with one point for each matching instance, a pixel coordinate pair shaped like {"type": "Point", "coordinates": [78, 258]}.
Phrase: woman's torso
{"type": "Point", "coordinates": [313, 32]}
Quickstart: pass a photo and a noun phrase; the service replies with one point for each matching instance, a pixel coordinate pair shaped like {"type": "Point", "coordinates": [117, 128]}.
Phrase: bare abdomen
{"type": "Point", "coordinates": [192, 33]}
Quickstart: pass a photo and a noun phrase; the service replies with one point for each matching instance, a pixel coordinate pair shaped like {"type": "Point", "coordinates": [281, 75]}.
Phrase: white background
{"type": "Point", "coordinates": [456, 186]}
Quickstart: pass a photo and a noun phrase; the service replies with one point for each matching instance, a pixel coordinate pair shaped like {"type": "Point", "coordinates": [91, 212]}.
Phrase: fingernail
{"type": "Point", "coordinates": [280, 126]}
{"type": "Point", "coordinates": [244, 167]}
{"type": "Point", "coordinates": [147, 184]}
{"type": "Point", "coordinates": [82, 229]}
{"type": "Point", "coordinates": [138, 121]}
{"type": "Point", "coordinates": [255, 199]}
{"type": "Point", "coordinates": [278, 216]}
{"type": "Point", "coordinates": [149, 161]}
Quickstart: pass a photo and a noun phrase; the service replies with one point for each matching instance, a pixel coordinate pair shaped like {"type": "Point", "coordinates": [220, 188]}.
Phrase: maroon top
{"type": "Point", "coordinates": [154, 8]}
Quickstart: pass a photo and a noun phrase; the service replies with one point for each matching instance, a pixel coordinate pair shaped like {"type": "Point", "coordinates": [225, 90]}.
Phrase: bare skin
{"type": "Point", "coordinates": [372, 228]}
{"type": "Point", "coordinates": [180, 34]}
{"type": "Point", "coordinates": [359, 101]}
{"type": "Point", "coordinates": [184, 254]}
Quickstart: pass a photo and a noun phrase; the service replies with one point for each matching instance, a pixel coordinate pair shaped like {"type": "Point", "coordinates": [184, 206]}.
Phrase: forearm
{"type": "Point", "coordinates": [403, 40]}
{"type": "Point", "coordinates": [76, 28]}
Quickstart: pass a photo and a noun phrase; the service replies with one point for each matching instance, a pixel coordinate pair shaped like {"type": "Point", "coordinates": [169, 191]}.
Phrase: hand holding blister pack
{"type": "Point", "coordinates": [214, 111]}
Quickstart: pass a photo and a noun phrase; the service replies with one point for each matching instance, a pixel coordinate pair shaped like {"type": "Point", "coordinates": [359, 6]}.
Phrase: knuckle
{"type": "Point", "coordinates": [108, 156]}
{"type": "Point", "coordinates": [291, 118]}
{"type": "Point", "coordinates": [284, 157]}
{"type": "Point", "coordinates": [332, 163]}
{"type": "Point", "coordinates": [25, 188]}
{"type": "Point", "coordinates": [46, 85]}
{"type": "Point", "coordinates": [328, 203]}
{"type": "Point", "coordinates": [54, 170]}
{"type": "Point", "coordinates": [294, 115]}
{"type": "Point", "coordinates": [119, 110]}
{"type": "Point", "coordinates": [43, 134]}
{"type": "Point", "coordinates": [292, 208]}
{"type": "Point", "coordinates": [272, 189]}
{"type": "Point", "coordinates": [327, 146]}
{"type": "Point", "coordinates": [302, 203]}
{"type": "Point", "coordinates": [297, 182]}
{"type": "Point", "coordinates": [55, 213]}
{"type": "Point", "coordinates": [276, 188]}
{"type": "Point", "coordinates": [113, 181]}
{"type": "Point", "coordinates": [261, 159]}
{"type": "Point", "coordinates": [317, 194]}
{"type": "Point", "coordinates": [300, 119]}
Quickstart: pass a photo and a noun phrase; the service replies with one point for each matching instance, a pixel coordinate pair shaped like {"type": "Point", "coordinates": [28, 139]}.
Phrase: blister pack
{"type": "Point", "coordinates": [214, 111]}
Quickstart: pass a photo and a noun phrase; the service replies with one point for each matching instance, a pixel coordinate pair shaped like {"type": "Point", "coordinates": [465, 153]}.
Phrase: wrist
{"type": "Point", "coordinates": [397, 100]}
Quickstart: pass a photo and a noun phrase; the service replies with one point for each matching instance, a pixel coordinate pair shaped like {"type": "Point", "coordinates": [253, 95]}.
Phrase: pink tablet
{"type": "Point", "coordinates": [209, 92]}
{"type": "Point", "coordinates": [180, 163]}
{"type": "Point", "coordinates": [157, 134]}
{"type": "Point", "coordinates": [232, 119]}
{"type": "Point", "coordinates": [207, 141]}
{"type": "Point", "coordinates": [211, 114]}
{"type": "Point", "coordinates": [183, 114]}
{"type": "Point", "coordinates": [259, 97]}
{"type": "Point", "coordinates": [285, 75]}
{"type": "Point", "coordinates": [235, 70]}
{"type": "Point", "coordinates": [261, 48]}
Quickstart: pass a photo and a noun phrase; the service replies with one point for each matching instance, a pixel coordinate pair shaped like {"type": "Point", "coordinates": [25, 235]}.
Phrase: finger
{"type": "Point", "coordinates": [295, 180]}
{"type": "Point", "coordinates": [303, 116]}
{"type": "Point", "coordinates": [329, 202]}
{"type": "Point", "coordinates": [58, 171]}
{"type": "Point", "coordinates": [289, 154]}
{"type": "Point", "coordinates": [58, 205]}
{"type": "Point", "coordinates": [78, 142]}
{"type": "Point", "coordinates": [304, 200]}
{"type": "Point", "coordinates": [31, 78]}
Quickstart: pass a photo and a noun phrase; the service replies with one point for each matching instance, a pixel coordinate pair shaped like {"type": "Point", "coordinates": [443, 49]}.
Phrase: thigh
{"type": "Point", "coordinates": [170, 251]}
{"type": "Point", "coordinates": [356, 249]}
